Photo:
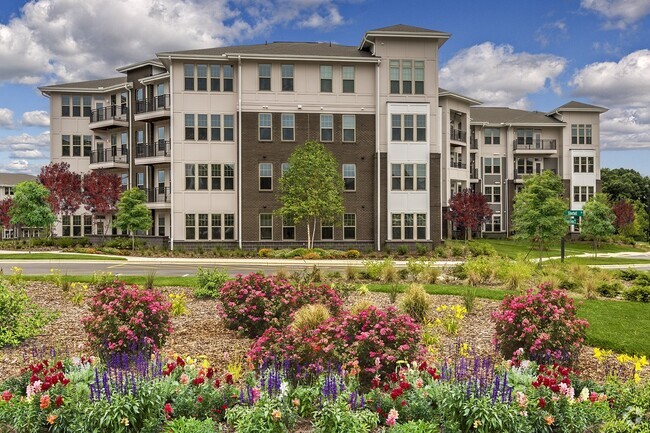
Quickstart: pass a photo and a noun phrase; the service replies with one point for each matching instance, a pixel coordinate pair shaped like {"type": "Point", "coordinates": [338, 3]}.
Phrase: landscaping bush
{"type": "Point", "coordinates": [251, 304]}
{"type": "Point", "coordinates": [482, 270]}
{"type": "Point", "coordinates": [628, 274]}
{"type": "Point", "coordinates": [123, 243]}
{"type": "Point", "coordinates": [127, 320]}
{"type": "Point", "coordinates": [609, 290]}
{"type": "Point", "coordinates": [481, 249]}
{"type": "Point", "coordinates": [637, 293]}
{"type": "Point", "coordinates": [376, 269]}
{"type": "Point", "coordinates": [20, 318]}
{"type": "Point", "coordinates": [310, 316]}
{"type": "Point", "coordinates": [416, 302]}
{"type": "Point", "coordinates": [542, 322]}
{"type": "Point", "coordinates": [190, 425]}
{"type": "Point", "coordinates": [515, 274]}
{"type": "Point", "coordinates": [352, 254]}
{"type": "Point", "coordinates": [643, 279]}
{"type": "Point", "coordinates": [208, 282]}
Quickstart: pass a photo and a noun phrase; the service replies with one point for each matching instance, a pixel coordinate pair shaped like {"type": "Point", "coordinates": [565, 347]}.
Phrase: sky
{"type": "Point", "coordinates": [532, 54]}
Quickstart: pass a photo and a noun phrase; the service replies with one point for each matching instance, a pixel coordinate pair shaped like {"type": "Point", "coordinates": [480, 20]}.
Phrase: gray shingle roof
{"type": "Point", "coordinates": [497, 115]}
{"type": "Point", "coordinates": [575, 105]}
{"type": "Point", "coordinates": [403, 28]}
{"type": "Point", "coordinates": [318, 49]}
{"type": "Point", "coordinates": [10, 179]}
{"type": "Point", "coordinates": [92, 84]}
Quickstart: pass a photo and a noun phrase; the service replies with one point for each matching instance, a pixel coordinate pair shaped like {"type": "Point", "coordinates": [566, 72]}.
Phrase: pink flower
{"type": "Point", "coordinates": [393, 415]}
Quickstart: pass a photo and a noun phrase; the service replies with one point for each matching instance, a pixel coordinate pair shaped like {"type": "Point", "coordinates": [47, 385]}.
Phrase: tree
{"type": "Point", "coordinates": [624, 213]}
{"type": "Point", "coordinates": [132, 213]}
{"type": "Point", "coordinates": [468, 209]}
{"type": "Point", "coordinates": [597, 220]}
{"type": "Point", "coordinates": [5, 206]}
{"type": "Point", "coordinates": [101, 192]}
{"type": "Point", "coordinates": [624, 183]}
{"type": "Point", "coordinates": [539, 210]}
{"type": "Point", "coordinates": [64, 187]}
{"type": "Point", "coordinates": [312, 188]}
{"type": "Point", "coordinates": [30, 206]}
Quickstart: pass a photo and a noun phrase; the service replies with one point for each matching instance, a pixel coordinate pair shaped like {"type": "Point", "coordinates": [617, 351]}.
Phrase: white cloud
{"type": "Point", "coordinates": [549, 32]}
{"type": "Point", "coordinates": [625, 86]}
{"type": "Point", "coordinates": [323, 22]}
{"type": "Point", "coordinates": [26, 141]}
{"type": "Point", "coordinates": [498, 76]}
{"type": "Point", "coordinates": [36, 118]}
{"type": "Point", "coordinates": [68, 40]}
{"type": "Point", "coordinates": [17, 166]}
{"type": "Point", "coordinates": [6, 118]}
{"type": "Point", "coordinates": [27, 154]}
{"type": "Point", "coordinates": [619, 14]}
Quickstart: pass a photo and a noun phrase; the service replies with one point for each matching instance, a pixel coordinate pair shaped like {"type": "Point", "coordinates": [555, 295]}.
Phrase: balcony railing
{"type": "Point", "coordinates": [151, 150]}
{"type": "Point", "coordinates": [156, 103]}
{"type": "Point", "coordinates": [529, 144]}
{"type": "Point", "coordinates": [158, 194]}
{"type": "Point", "coordinates": [457, 134]}
{"type": "Point", "coordinates": [113, 112]}
{"type": "Point", "coordinates": [457, 165]}
{"type": "Point", "coordinates": [473, 143]}
{"type": "Point", "coordinates": [519, 175]}
{"type": "Point", "coordinates": [473, 173]}
{"type": "Point", "coordinates": [118, 155]}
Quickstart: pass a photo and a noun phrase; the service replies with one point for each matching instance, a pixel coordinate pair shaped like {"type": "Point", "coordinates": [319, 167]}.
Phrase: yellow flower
{"type": "Point", "coordinates": [124, 421]}
{"type": "Point", "coordinates": [276, 414]}
{"type": "Point", "coordinates": [549, 419]}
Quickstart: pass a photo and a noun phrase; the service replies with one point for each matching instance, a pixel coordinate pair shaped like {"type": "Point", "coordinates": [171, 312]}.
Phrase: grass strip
{"type": "Point", "coordinates": [56, 256]}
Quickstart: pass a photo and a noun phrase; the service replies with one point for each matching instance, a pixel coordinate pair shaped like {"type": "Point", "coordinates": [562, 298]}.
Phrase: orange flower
{"type": "Point", "coordinates": [549, 419]}
{"type": "Point", "coordinates": [276, 414]}
{"type": "Point", "coordinates": [51, 418]}
{"type": "Point", "coordinates": [45, 401]}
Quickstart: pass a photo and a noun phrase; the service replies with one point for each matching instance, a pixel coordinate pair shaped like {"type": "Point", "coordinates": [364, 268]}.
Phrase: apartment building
{"type": "Point", "coordinates": [8, 182]}
{"type": "Point", "coordinates": [207, 134]}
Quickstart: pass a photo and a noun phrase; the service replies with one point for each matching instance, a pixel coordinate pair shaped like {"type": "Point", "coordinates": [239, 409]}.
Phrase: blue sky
{"type": "Point", "coordinates": [535, 57]}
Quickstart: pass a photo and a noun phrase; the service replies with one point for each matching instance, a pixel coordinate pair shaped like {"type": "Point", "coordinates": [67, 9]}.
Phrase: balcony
{"type": "Point", "coordinates": [153, 153]}
{"type": "Point", "coordinates": [460, 165]}
{"type": "Point", "coordinates": [473, 173]}
{"type": "Point", "coordinates": [156, 108]}
{"type": "Point", "coordinates": [535, 146]}
{"type": "Point", "coordinates": [519, 177]}
{"type": "Point", "coordinates": [115, 157]}
{"type": "Point", "coordinates": [457, 135]}
{"type": "Point", "coordinates": [473, 144]}
{"type": "Point", "coordinates": [158, 197]}
{"type": "Point", "coordinates": [114, 116]}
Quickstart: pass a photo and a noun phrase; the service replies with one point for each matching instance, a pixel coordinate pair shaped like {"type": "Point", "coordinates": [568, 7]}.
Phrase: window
{"type": "Point", "coordinates": [87, 144]}
{"type": "Point", "coordinates": [202, 124]}
{"type": "Point", "coordinates": [139, 180]}
{"type": "Point", "coordinates": [493, 224]}
{"type": "Point", "coordinates": [582, 194]}
{"type": "Point", "coordinates": [215, 78]}
{"type": "Point", "coordinates": [228, 74]}
{"type": "Point", "coordinates": [203, 177]}
{"type": "Point", "coordinates": [228, 177]}
{"type": "Point", "coordinates": [266, 176]}
{"type": "Point", "coordinates": [408, 226]}
{"type": "Point", "coordinates": [326, 127]}
{"type": "Point", "coordinates": [421, 227]}
{"type": "Point", "coordinates": [88, 225]}
{"type": "Point", "coordinates": [396, 127]}
{"type": "Point", "coordinates": [266, 226]}
{"type": "Point", "coordinates": [288, 229]}
{"type": "Point", "coordinates": [284, 168]}
{"type": "Point", "coordinates": [76, 145]}
{"type": "Point", "coordinates": [86, 106]}
{"type": "Point", "coordinates": [347, 74]}
{"type": "Point", "coordinates": [287, 78]}
{"type": "Point", "coordinates": [288, 124]}
{"type": "Point", "coordinates": [215, 221]}
{"type": "Point", "coordinates": [265, 126]}
{"type": "Point", "coordinates": [406, 76]}
{"type": "Point", "coordinates": [492, 166]}
{"type": "Point", "coordinates": [492, 135]}
{"type": "Point", "coordinates": [215, 127]}
{"type": "Point", "coordinates": [421, 127]}
{"type": "Point", "coordinates": [580, 134]}
{"type": "Point", "coordinates": [161, 181]}
{"type": "Point", "coordinates": [203, 226]}
{"type": "Point", "coordinates": [65, 223]}
{"type": "Point", "coordinates": [215, 172]}
{"type": "Point", "coordinates": [493, 194]}
{"type": "Point", "coordinates": [161, 226]}
{"type": "Point", "coordinates": [228, 127]}
{"type": "Point", "coordinates": [408, 127]}
{"type": "Point", "coordinates": [349, 226]}
{"type": "Point", "coordinates": [189, 77]}
{"type": "Point", "coordinates": [264, 72]}
{"type": "Point", "coordinates": [583, 164]}
{"type": "Point", "coordinates": [525, 166]}
{"type": "Point", "coordinates": [326, 78]}
{"type": "Point", "coordinates": [222, 177]}
{"type": "Point", "coordinates": [408, 177]}
{"type": "Point", "coordinates": [229, 226]}
{"type": "Point", "coordinates": [190, 177]}
{"type": "Point", "coordinates": [402, 127]}
{"type": "Point", "coordinates": [65, 106]}
{"type": "Point", "coordinates": [189, 126]}
{"type": "Point", "coordinates": [349, 128]}
{"type": "Point", "coordinates": [349, 177]}
{"type": "Point", "coordinates": [190, 226]}
{"type": "Point", "coordinates": [421, 177]}
{"type": "Point", "coordinates": [76, 106]}
{"type": "Point", "coordinates": [326, 231]}
{"type": "Point", "coordinates": [65, 145]}
{"type": "Point", "coordinates": [202, 77]}
{"type": "Point", "coordinates": [222, 226]}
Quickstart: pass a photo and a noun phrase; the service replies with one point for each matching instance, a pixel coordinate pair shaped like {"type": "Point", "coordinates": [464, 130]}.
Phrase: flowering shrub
{"type": "Point", "coordinates": [127, 319]}
{"type": "Point", "coordinates": [254, 303]}
{"type": "Point", "coordinates": [542, 322]}
{"type": "Point", "coordinates": [372, 340]}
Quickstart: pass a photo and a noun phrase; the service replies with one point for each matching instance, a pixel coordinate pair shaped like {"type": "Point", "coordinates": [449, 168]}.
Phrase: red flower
{"type": "Point", "coordinates": [168, 409]}
{"type": "Point", "coordinates": [180, 361]}
{"type": "Point", "coordinates": [541, 403]}
{"type": "Point", "coordinates": [198, 380]}
{"type": "Point", "coordinates": [6, 395]}
{"type": "Point", "coordinates": [396, 393]}
{"type": "Point", "coordinates": [59, 401]}
{"type": "Point", "coordinates": [403, 403]}
{"type": "Point", "coordinates": [199, 399]}
{"type": "Point", "coordinates": [217, 383]}
{"type": "Point", "coordinates": [229, 380]}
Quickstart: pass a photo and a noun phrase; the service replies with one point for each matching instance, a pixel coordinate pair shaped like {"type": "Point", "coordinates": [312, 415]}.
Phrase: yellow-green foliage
{"type": "Point", "coordinates": [422, 270]}
{"type": "Point", "coordinates": [389, 273]}
{"type": "Point", "coordinates": [375, 268]}
{"type": "Point", "coordinates": [360, 305]}
{"type": "Point", "coordinates": [416, 302]}
{"type": "Point", "coordinates": [179, 304]}
{"type": "Point", "coordinates": [449, 317]}
{"type": "Point", "coordinates": [77, 293]}
{"type": "Point", "coordinates": [310, 316]}
{"type": "Point", "coordinates": [515, 274]}
{"type": "Point", "coordinates": [482, 269]}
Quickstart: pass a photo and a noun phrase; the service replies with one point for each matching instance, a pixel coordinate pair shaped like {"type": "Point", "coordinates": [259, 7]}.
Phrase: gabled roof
{"type": "Point", "coordinates": [277, 49]}
{"type": "Point", "coordinates": [137, 65]}
{"type": "Point", "coordinates": [11, 179]}
{"type": "Point", "coordinates": [511, 116]}
{"type": "Point", "coordinates": [578, 106]}
{"type": "Point", "coordinates": [444, 92]}
{"type": "Point", "coordinates": [403, 28]}
{"type": "Point", "coordinates": [86, 86]}
{"type": "Point", "coordinates": [402, 31]}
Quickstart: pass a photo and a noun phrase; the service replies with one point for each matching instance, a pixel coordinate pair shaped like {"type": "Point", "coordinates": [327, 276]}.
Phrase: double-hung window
{"type": "Point", "coordinates": [492, 165]}
{"type": "Point", "coordinates": [265, 126]}
{"type": "Point", "coordinates": [326, 78]}
{"type": "Point", "coordinates": [349, 226]}
{"type": "Point", "coordinates": [287, 78]}
{"type": "Point", "coordinates": [288, 126]}
{"type": "Point", "coordinates": [215, 127]}
{"type": "Point", "coordinates": [492, 136]}
{"type": "Point", "coordinates": [203, 226]}
{"type": "Point", "coordinates": [202, 124]}
{"type": "Point", "coordinates": [264, 72]}
{"type": "Point", "coordinates": [190, 226]}
{"type": "Point", "coordinates": [347, 75]}
{"type": "Point", "coordinates": [326, 127]}
{"type": "Point", "coordinates": [349, 128]}
{"type": "Point", "coordinates": [228, 75]}
{"type": "Point", "coordinates": [266, 176]}
{"type": "Point", "coordinates": [189, 127]}
{"type": "Point", "coordinates": [190, 177]}
{"type": "Point", "coordinates": [266, 226]}
{"type": "Point", "coordinates": [215, 78]}
{"type": "Point", "coordinates": [349, 177]}
{"type": "Point", "coordinates": [202, 77]}
{"type": "Point", "coordinates": [203, 177]}
{"type": "Point", "coordinates": [493, 194]}
{"type": "Point", "coordinates": [288, 229]}
{"type": "Point", "coordinates": [188, 70]}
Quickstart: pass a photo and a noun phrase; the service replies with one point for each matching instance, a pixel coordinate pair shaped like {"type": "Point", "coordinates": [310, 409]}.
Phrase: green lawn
{"type": "Point", "coordinates": [602, 261]}
{"type": "Point", "coordinates": [56, 256]}
{"type": "Point", "coordinates": [159, 281]}
{"type": "Point", "coordinates": [515, 248]}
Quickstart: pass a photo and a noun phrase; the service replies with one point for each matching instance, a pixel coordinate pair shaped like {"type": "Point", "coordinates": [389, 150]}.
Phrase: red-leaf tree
{"type": "Point", "coordinates": [101, 192]}
{"type": "Point", "coordinates": [624, 212]}
{"type": "Point", "coordinates": [64, 186]}
{"type": "Point", "coordinates": [468, 210]}
{"type": "Point", "coordinates": [5, 218]}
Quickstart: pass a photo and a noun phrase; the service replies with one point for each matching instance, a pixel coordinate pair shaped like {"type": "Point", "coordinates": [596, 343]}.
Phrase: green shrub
{"type": "Point", "coordinates": [609, 290]}
{"type": "Point", "coordinates": [637, 293]}
{"type": "Point", "coordinates": [208, 282]}
{"type": "Point", "coordinates": [643, 279]}
{"type": "Point", "coordinates": [628, 274]}
{"type": "Point", "coordinates": [353, 254]}
{"type": "Point", "coordinates": [389, 273]}
{"type": "Point", "coordinates": [422, 250]}
{"type": "Point", "coordinates": [374, 269]}
{"type": "Point", "coordinates": [123, 243]}
{"type": "Point", "coordinates": [480, 249]}
{"type": "Point", "coordinates": [402, 250]}
{"type": "Point", "coordinates": [469, 299]}
{"type": "Point", "coordinates": [310, 316]}
{"type": "Point", "coordinates": [336, 416]}
{"type": "Point", "coordinates": [190, 425]}
{"type": "Point", "coordinates": [416, 302]}
{"type": "Point", "coordinates": [515, 274]}
{"type": "Point", "coordinates": [415, 427]}
{"type": "Point", "coordinates": [21, 318]}
{"type": "Point", "coordinates": [351, 273]}
{"type": "Point", "coordinates": [482, 269]}
{"type": "Point", "coordinates": [265, 252]}
{"type": "Point", "coordinates": [422, 270]}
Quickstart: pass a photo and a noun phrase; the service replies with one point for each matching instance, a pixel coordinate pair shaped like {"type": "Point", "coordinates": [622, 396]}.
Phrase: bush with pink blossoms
{"type": "Point", "coordinates": [543, 323]}
{"type": "Point", "coordinates": [371, 342]}
{"type": "Point", "coordinates": [126, 319]}
{"type": "Point", "coordinates": [251, 304]}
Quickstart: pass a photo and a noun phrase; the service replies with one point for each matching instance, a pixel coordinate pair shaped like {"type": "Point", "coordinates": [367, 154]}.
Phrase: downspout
{"type": "Point", "coordinates": [377, 153]}
{"type": "Point", "coordinates": [239, 157]}
{"type": "Point", "coordinates": [171, 151]}
{"type": "Point", "coordinates": [129, 88]}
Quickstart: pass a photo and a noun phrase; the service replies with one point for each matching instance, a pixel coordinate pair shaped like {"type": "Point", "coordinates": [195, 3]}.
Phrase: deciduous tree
{"type": "Point", "coordinates": [597, 220]}
{"type": "Point", "coordinates": [624, 183]}
{"type": "Point", "coordinates": [624, 213]}
{"type": "Point", "coordinates": [132, 213]}
{"type": "Point", "coordinates": [64, 186]}
{"type": "Point", "coordinates": [311, 190]}
{"type": "Point", "coordinates": [101, 192]}
{"type": "Point", "coordinates": [468, 209]}
{"type": "Point", "coordinates": [539, 210]}
{"type": "Point", "coordinates": [30, 206]}
{"type": "Point", "coordinates": [5, 206]}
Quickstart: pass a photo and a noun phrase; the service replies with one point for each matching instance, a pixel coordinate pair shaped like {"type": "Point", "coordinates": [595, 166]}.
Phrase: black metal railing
{"type": "Point", "coordinates": [113, 112]}
{"type": "Point", "coordinates": [457, 134]}
{"type": "Point", "coordinates": [519, 175]}
{"type": "Point", "coordinates": [530, 144]}
{"type": "Point", "coordinates": [473, 173]}
{"type": "Point", "coordinates": [158, 194]}
{"type": "Point", "coordinates": [114, 154]}
{"type": "Point", "coordinates": [457, 165]}
{"type": "Point", "coordinates": [156, 103]}
{"type": "Point", "coordinates": [150, 150]}
{"type": "Point", "coordinates": [473, 143]}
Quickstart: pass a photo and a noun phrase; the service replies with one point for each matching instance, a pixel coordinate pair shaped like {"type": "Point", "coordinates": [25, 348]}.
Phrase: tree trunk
{"type": "Point", "coordinates": [308, 235]}
{"type": "Point", "coordinates": [132, 240]}
{"type": "Point", "coordinates": [468, 233]}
